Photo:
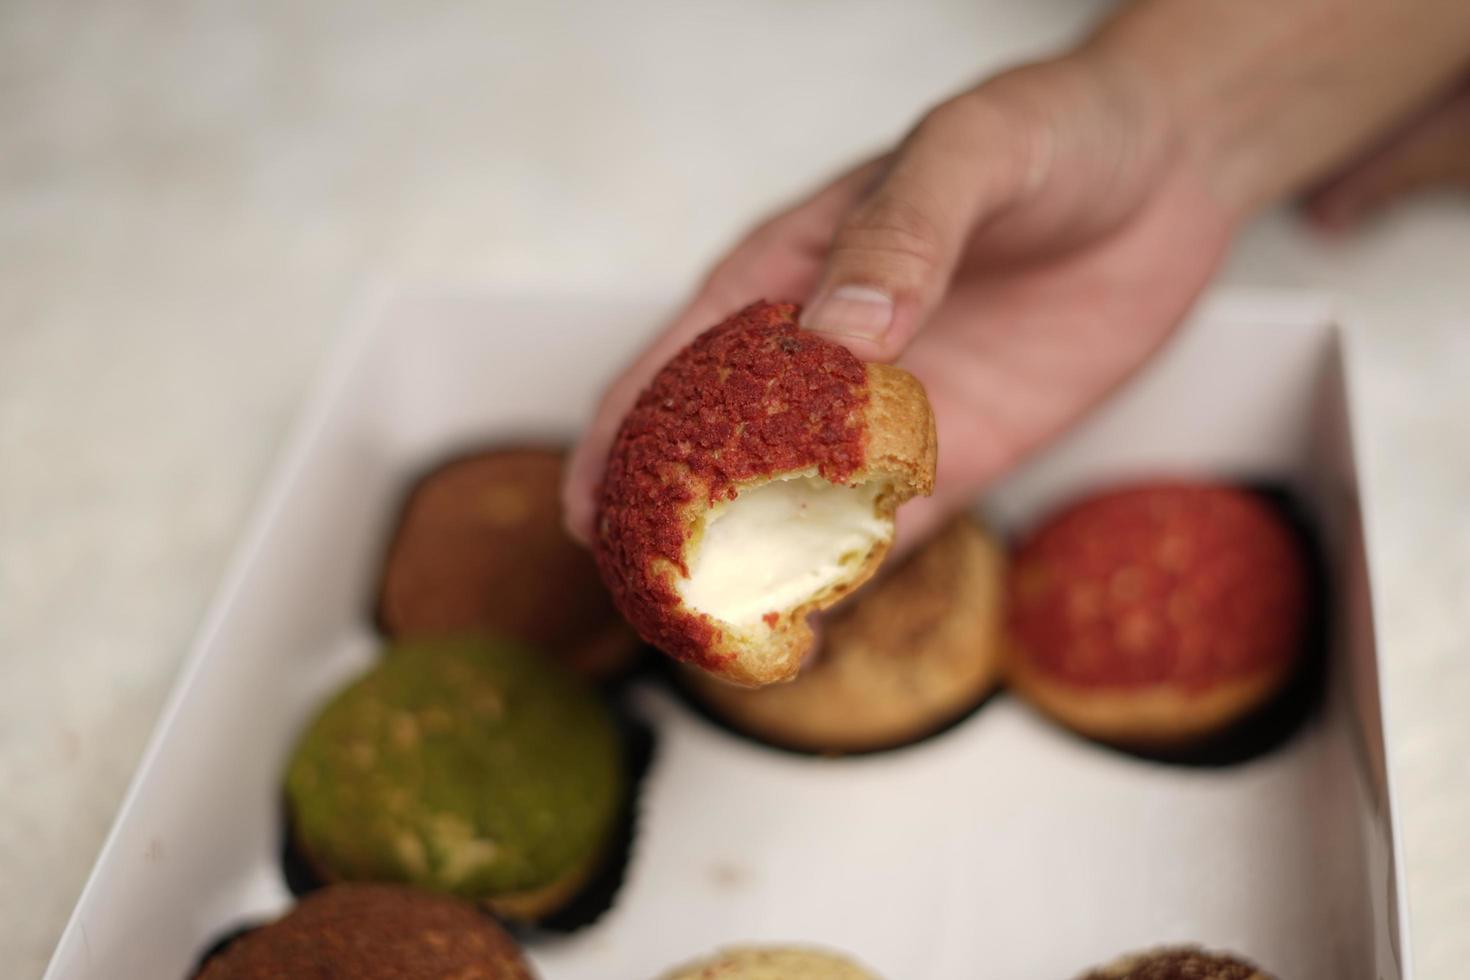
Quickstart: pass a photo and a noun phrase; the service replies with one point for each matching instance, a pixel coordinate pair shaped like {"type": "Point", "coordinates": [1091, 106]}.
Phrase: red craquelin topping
{"type": "Point", "coordinates": [1178, 584]}
{"type": "Point", "coordinates": [748, 399]}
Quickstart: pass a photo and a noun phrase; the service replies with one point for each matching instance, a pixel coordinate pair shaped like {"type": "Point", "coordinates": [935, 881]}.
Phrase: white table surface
{"type": "Point", "coordinates": [191, 194]}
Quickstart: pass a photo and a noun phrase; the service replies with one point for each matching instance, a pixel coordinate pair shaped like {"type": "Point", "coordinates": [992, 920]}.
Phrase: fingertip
{"type": "Point", "coordinates": [864, 319]}
{"type": "Point", "coordinates": [1331, 222]}
{"type": "Point", "coordinates": [577, 518]}
{"type": "Point", "coordinates": [862, 348]}
{"type": "Point", "coordinates": [1332, 210]}
{"type": "Point", "coordinates": [863, 311]}
{"type": "Point", "coordinates": [916, 521]}
{"type": "Point", "coordinates": [577, 504]}
{"type": "Point", "coordinates": [814, 652]}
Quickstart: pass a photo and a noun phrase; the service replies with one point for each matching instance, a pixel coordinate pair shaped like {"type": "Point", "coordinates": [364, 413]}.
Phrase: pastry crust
{"type": "Point", "coordinates": [753, 400]}
{"type": "Point", "coordinates": [1179, 963]}
{"type": "Point", "coordinates": [1156, 718]}
{"type": "Point", "coordinates": [535, 904]}
{"type": "Point", "coordinates": [374, 932]}
{"type": "Point", "coordinates": [911, 653]}
{"type": "Point", "coordinates": [771, 963]}
{"type": "Point", "coordinates": [528, 906]}
{"type": "Point", "coordinates": [1157, 615]}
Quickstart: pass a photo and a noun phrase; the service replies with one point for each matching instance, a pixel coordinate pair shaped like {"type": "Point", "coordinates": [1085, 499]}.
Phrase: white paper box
{"type": "Point", "coordinates": [1003, 848]}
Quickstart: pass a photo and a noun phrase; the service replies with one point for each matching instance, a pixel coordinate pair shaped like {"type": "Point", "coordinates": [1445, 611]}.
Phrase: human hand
{"type": "Point", "coordinates": [1022, 251]}
{"type": "Point", "coordinates": [1432, 151]}
{"type": "Point", "coordinates": [1033, 240]}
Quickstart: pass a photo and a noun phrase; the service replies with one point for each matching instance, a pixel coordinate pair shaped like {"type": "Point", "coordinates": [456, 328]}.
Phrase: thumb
{"type": "Point", "coordinates": [892, 257]}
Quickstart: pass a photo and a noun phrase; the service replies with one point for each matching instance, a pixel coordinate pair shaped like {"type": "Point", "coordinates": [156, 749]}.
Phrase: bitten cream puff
{"type": "Point", "coordinates": [910, 653]}
{"type": "Point", "coordinates": [753, 483]}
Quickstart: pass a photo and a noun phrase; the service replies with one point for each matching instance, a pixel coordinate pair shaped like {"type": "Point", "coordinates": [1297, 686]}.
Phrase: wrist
{"type": "Point", "coordinates": [1182, 91]}
{"type": "Point", "coordinates": [1262, 98]}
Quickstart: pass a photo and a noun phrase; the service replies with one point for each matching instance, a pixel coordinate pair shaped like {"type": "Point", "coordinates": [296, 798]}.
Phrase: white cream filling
{"type": "Point", "coordinates": [778, 544]}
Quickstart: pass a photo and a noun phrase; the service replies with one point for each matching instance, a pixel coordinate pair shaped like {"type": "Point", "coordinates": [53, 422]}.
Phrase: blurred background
{"type": "Point", "coordinates": [191, 194]}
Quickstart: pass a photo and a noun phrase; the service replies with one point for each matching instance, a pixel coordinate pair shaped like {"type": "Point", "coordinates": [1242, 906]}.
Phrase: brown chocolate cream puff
{"type": "Point", "coordinates": [1181, 963]}
{"type": "Point", "coordinates": [753, 483]}
{"type": "Point", "coordinates": [1156, 615]}
{"type": "Point", "coordinates": [911, 652]}
{"type": "Point", "coordinates": [480, 549]}
{"type": "Point", "coordinates": [374, 932]}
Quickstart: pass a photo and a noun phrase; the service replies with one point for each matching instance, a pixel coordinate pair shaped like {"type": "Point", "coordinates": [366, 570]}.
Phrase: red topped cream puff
{"type": "Point", "coordinates": [753, 483]}
{"type": "Point", "coordinates": [1156, 615]}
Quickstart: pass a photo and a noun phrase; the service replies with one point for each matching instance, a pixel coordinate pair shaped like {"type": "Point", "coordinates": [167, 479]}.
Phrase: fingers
{"type": "Point", "coordinates": [1433, 152]}
{"type": "Point", "coordinates": [895, 251]}
{"type": "Point", "coordinates": [919, 519]}
{"type": "Point", "coordinates": [780, 259]}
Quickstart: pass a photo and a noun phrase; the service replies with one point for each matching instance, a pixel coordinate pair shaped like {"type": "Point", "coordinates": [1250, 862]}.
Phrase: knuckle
{"type": "Point", "coordinates": [895, 228]}
{"type": "Point", "coordinates": [731, 279]}
{"type": "Point", "coordinates": [1007, 122]}
{"type": "Point", "coordinates": [765, 234]}
{"type": "Point", "coordinates": [722, 272]}
{"type": "Point", "coordinates": [954, 118]}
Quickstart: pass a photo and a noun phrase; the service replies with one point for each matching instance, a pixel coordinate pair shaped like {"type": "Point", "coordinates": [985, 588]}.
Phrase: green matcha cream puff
{"type": "Point", "coordinates": [471, 767]}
